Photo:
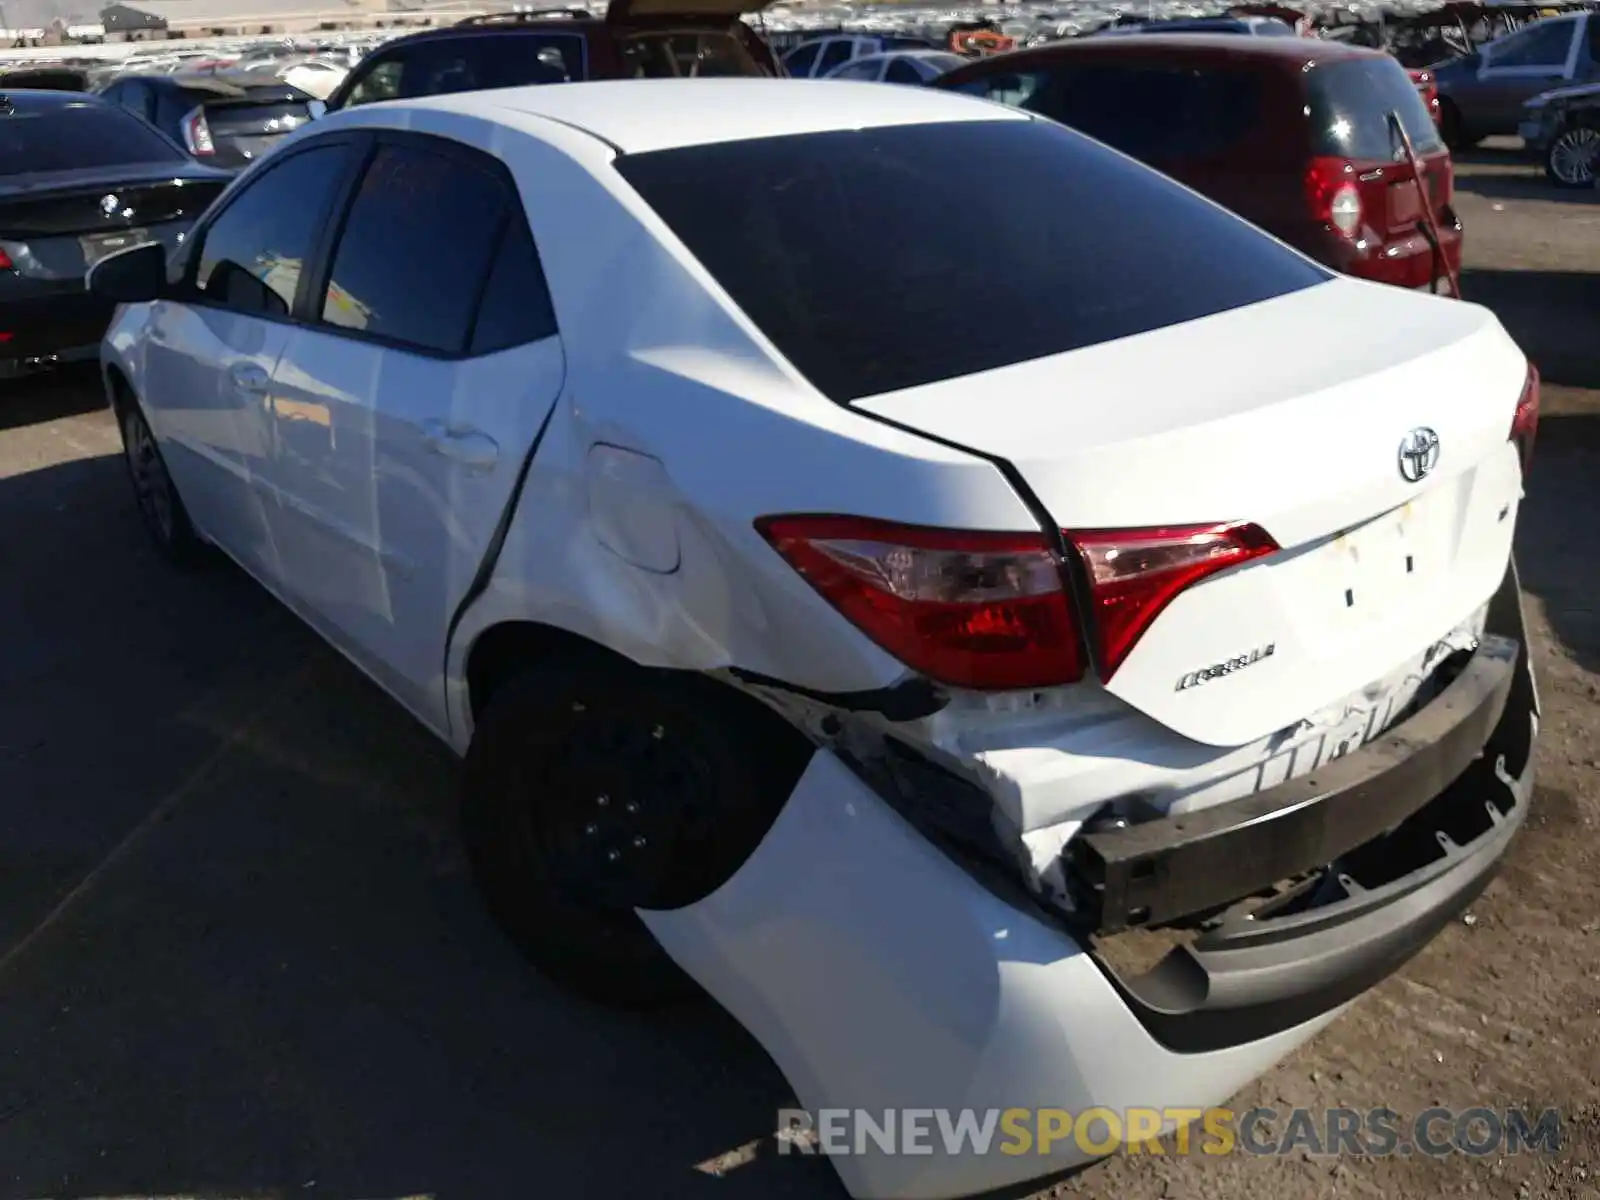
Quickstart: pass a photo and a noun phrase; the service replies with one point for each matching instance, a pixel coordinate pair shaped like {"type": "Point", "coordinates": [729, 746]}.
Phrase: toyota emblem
{"type": "Point", "coordinates": [1419, 454]}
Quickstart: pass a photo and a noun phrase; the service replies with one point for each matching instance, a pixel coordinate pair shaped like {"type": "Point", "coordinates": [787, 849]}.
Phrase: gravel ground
{"type": "Point", "coordinates": [239, 954]}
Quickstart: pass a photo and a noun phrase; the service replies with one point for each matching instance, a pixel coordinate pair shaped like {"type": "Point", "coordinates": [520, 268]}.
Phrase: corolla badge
{"type": "Point", "coordinates": [109, 205]}
{"type": "Point", "coordinates": [1419, 454]}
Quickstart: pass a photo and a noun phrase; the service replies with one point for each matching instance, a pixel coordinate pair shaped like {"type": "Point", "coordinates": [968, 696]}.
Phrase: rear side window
{"type": "Point", "coordinates": [89, 133]}
{"type": "Point", "coordinates": [415, 248]}
{"type": "Point", "coordinates": [1349, 104]}
{"type": "Point", "coordinates": [466, 64]}
{"type": "Point", "coordinates": [901, 71]}
{"type": "Point", "coordinates": [990, 243]}
{"type": "Point", "coordinates": [1153, 112]}
{"type": "Point", "coordinates": [516, 306]}
{"type": "Point", "coordinates": [838, 51]}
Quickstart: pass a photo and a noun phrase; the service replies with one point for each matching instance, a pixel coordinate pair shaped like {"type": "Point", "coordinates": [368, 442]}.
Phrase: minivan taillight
{"type": "Point", "coordinates": [196, 133]}
{"type": "Point", "coordinates": [1333, 196]}
{"type": "Point", "coordinates": [1525, 424]}
{"type": "Point", "coordinates": [991, 611]}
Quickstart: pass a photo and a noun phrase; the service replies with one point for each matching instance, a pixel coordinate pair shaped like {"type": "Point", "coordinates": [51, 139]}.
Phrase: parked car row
{"type": "Point", "coordinates": [876, 650]}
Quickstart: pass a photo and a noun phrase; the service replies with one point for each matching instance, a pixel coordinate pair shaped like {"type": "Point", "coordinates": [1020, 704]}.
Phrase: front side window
{"type": "Point", "coordinates": [252, 255]}
{"type": "Point", "coordinates": [800, 60]}
{"type": "Point", "coordinates": [1074, 245]}
{"type": "Point", "coordinates": [415, 249]}
{"type": "Point", "coordinates": [382, 82]}
{"type": "Point", "coordinates": [835, 54]}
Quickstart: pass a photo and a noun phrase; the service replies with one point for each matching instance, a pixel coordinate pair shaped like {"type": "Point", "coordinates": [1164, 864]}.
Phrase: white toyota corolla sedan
{"type": "Point", "coordinates": [883, 557]}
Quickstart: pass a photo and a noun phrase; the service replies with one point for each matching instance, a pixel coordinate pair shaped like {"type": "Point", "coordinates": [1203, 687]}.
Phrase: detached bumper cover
{"type": "Point", "coordinates": [880, 973]}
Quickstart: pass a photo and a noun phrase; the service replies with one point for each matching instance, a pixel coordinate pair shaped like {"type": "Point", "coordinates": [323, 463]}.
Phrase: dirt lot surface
{"type": "Point", "coordinates": [239, 954]}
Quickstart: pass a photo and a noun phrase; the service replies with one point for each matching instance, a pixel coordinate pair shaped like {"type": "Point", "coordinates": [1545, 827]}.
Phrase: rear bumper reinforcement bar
{"type": "Point", "coordinates": [1412, 827]}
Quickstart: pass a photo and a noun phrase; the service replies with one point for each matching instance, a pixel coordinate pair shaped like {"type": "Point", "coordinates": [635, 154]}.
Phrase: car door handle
{"type": "Point", "coordinates": [470, 447]}
{"type": "Point", "coordinates": [248, 377]}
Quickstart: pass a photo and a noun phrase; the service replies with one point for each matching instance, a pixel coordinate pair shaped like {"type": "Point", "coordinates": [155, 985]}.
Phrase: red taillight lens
{"type": "Point", "coordinates": [1332, 194]}
{"type": "Point", "coordinates": [1135, 573]}
{"type": "Point", "coordinates": [5, 261]}
{"type": "Point", "coordinates": [1525, 425]}
{"type": "Point", "coordinates": [196, 133]}
{"type": "Point", "coordinates": [970, 609]}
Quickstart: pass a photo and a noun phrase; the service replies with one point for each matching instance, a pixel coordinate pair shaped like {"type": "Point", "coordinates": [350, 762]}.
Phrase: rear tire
{"type": "Point", "coordinates": [160, 507]}
{"type": "Point", "coordinates": [593, 788]}
{"type": "Point", "coordinates": [1571, 159]}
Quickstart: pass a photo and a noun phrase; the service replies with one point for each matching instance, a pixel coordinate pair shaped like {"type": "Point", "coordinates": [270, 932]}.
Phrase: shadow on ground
{"type": "Point", "coordinates": [1558, 531]}
{"type": "Point", "coordinates": [286, 984]}
{"type": "Point", "coordinates": [32, 399]}
{"type": "Point", "coordinates": [1552, 314]}
{"type": "Point", "coordinates": [1528, 184]}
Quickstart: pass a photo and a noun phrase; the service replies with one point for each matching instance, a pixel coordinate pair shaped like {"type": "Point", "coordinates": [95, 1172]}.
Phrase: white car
{"type": "Point", "coordinates": [873, 647]}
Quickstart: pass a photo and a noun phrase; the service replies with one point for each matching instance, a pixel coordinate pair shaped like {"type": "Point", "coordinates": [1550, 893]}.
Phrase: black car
{"type": "Point", "coordinates": [79, 179]}
{"type": "Point", "coordinates": [225, 119]}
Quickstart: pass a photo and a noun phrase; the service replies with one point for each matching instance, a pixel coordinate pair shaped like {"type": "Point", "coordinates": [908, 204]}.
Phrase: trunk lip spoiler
{"type": "Point", "coordinates": [1247, 979]}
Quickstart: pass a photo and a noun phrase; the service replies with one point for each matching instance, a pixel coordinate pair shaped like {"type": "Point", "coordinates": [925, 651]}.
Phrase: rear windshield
{"type": "Point", "coordinates": [63, 137]}
{"type": "Point", "coordinates": [1349, 110]}
{"type": "Point", "coordinates": [269, 112]}
{"type": "Point", "coordinates": [687, 55]}
{"type": "Point", "coordinates": [884, 258]}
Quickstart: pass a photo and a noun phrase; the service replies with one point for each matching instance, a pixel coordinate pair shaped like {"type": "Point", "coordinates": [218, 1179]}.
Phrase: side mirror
{"type": "Point", "coordinates": [131, 276]}
{"type": "Point", "coordinates": [317, 108]}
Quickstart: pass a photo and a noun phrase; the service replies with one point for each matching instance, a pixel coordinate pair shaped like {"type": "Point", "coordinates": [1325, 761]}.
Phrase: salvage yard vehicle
{"type": "Point", "coordinates": [915, 67]}
{"type": "Point", "coordinates": [79, 179]}
{"type": "Point", "coordinates": [872, 650]}
{"type": "Point", "coordinates": [1561, 131]}
{"type": "Point", "coordinates": [636, 39]}
{"type": "Point", "coordinates": [1291, 133]}
{"type": "Point", "coordinates": [1481, 94]}
{"type": "Point", "coordinates": [225, 119]}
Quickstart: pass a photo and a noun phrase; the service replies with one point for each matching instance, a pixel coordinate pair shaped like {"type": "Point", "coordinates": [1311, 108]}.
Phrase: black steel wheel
{"type": "Point", "coordinates": [593, 790]}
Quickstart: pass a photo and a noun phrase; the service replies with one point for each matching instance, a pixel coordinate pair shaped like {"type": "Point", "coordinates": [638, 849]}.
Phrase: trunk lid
{"type": "Point", "coordinates": [1197, 423]}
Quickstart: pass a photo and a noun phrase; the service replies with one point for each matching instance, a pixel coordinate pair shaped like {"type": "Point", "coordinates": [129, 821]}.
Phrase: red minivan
{"type": "Point", "coordinates": [1293, 134]}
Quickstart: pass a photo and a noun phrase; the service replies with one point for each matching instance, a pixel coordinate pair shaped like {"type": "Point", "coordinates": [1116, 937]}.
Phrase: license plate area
{"type": "Point", "coordinates": [1388, 562]}
{"type": "Point", "coordinates": [97, 246]}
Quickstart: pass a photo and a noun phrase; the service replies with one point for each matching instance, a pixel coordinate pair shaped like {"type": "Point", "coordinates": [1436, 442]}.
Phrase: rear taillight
{"type": "Point", "coordinates": [991, 611]}
{"type": "Point", "coordinates": [976, 610]}
{"type": "Point", "coordinates": [1135, 573]}
{"type": "Point", "coordinates": [196, 133]}
{"type": "Point", "coordinates": [5, 261]}
{"type": "Point", "coordinates": [1333, 196]}
{"type": "Point", "coordinates": [1525, 425]}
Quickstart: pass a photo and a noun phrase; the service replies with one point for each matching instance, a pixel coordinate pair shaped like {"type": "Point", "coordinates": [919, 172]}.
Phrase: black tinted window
{"type": "Point", "coordinates": [252, 254]}
{"type": "Point", "coordinates": [464, 64]}
{"type": "Point", "coordinates": [87, 133]}
{"type": "Point", "coordinates": [847, 248]}
{"type": "Point", "coordinates": [901, 71]}
{"type": "Point", "coordinates": [1152, 112]}
{"type": "Point", "coordinates": [1349, 110]}
{"type": "Point", "coordinates": [799, 61]}
{"type": "Point", "coordinates": [415, 249]}
{"type": "Point", "coordinates": [837, 51]}
{"type": "Point", "coordinates": [516, 303]}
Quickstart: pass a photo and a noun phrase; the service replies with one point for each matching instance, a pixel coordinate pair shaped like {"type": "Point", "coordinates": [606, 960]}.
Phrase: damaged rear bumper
{"type": "Point", "coordinates": [882, 972]}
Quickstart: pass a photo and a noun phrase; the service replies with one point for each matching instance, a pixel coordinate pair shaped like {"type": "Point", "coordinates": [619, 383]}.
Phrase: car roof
{"type": "Point", "coordinates": [41, 99]}
{"type": "Point", "coordinates": [1290, 53]}
{"type": "Point", "coordinates": [640, 115]}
